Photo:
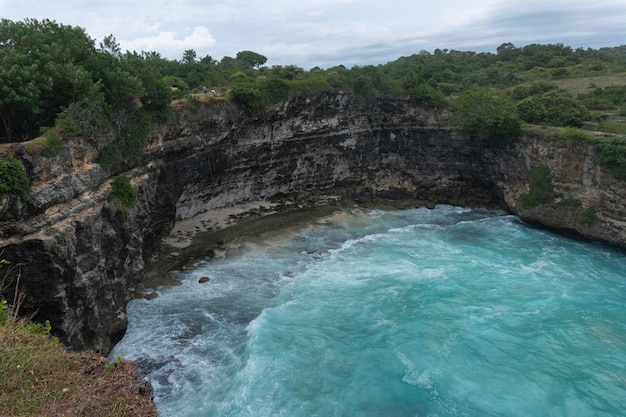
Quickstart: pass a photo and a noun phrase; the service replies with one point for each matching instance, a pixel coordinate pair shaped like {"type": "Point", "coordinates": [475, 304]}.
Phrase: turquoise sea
{"type": "Point", "coordinates": [423, 312]}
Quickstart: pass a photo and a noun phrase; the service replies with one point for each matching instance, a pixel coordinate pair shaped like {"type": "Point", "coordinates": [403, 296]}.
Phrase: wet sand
{"type": "Point", "coordinates": [196, 239]}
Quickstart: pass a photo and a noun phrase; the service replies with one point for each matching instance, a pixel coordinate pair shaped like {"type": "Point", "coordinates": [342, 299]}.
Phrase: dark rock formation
{"type": "Point", "coordinates": [82, 258]}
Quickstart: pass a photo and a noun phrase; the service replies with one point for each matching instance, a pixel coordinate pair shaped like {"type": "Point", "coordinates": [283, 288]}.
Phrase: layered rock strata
{"type": "Point", "coordinates": [82, 258]}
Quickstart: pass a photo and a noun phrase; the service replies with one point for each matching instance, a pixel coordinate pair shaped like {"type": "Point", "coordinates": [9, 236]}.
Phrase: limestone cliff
{"type": "Point", "coordinates": [82, 258]}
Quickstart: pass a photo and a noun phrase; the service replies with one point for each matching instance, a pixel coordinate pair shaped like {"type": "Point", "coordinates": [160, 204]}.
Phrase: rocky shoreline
{"type": "Point", "coordinates": [210, 172]}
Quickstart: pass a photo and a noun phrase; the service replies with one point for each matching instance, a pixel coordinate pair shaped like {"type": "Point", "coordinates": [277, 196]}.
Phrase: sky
{"type": "Point", "coordinates": [325, 33]}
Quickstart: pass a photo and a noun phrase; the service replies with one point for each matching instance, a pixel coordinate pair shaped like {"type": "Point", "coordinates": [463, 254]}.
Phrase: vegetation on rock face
{"type": "Point", "coordinates": [123, 194]}
{"type": "Point", "coordinates": [612, 152]}
{"type": "Point", "coordinates": [125, 152]}
{"type": "Point", "coordinates": [541, 188]}
{"type": "Point", "coordinates": [13, 179]}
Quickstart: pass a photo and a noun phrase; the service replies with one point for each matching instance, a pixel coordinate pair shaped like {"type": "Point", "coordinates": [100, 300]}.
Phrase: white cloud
{"type": "Point", "coordinates": [169, 42]}
{"type": "Point", "coordinates": [332, 32]}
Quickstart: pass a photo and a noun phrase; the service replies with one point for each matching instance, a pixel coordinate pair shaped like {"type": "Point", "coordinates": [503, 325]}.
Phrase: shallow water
{"type": "Point", "coordinates": [443, 312]}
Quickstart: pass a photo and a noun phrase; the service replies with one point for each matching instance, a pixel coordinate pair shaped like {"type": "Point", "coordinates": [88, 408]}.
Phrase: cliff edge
{"type": "Point", "coordinates": [82, 258]}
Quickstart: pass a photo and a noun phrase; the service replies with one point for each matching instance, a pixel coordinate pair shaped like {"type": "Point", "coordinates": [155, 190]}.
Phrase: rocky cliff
{"type": "Point", "coordinates": [82, 258]}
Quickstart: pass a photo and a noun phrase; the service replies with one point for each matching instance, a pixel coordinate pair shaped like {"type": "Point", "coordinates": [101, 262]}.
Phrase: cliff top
{"type": "Point", "coordinates": [40, 378]}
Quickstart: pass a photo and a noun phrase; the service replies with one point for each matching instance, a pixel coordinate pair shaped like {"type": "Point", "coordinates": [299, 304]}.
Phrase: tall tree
{"type": "Point", "coordinates": [42, 66]}
{"type": "Point", "coordinates": [249, 59]}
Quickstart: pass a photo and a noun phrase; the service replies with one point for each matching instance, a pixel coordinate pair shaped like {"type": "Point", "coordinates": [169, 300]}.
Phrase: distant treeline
{"type": "Point", "coordinates": [55, 75]}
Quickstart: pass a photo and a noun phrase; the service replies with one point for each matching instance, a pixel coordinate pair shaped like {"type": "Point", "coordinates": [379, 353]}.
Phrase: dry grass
{"type": "Point", "coordinates": [588, 84]}
{"type": "Point", "coordinates": [38, 377]}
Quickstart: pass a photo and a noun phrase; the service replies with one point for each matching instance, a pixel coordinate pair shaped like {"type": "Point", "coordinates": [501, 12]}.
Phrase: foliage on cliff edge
{"type": "Point", "coordinates": [38, 377]}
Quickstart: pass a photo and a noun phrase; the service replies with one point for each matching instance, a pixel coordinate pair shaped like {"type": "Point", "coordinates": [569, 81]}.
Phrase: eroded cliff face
{"type": "Point", "coordinates": [82, 258]}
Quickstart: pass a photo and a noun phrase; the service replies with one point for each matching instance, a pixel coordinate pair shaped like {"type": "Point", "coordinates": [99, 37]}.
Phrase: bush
{"type": "Point", "coordinates": [612, 154]}
{"type": "Point", "coordinates": [274, 90]}
{"type": "Point", "coordinates": [571, 135]}
{"type": "Point", "coordinates": [87, 117]}
{"type": "Point", "coordinates": [123, 194]}
{"type": "Point", "coordinates": [53, 143]}
{"type": "Point", "coordinates": [247, 97]}
{"type": "Point", "coordinates": [311, 85]}
{"type": "Point", "coordinates": [486, 116]}
{"type": "Point", "coordinates": [13, 179]}
{"type": "Point", "coordinates": [124, 153]}
{"type": "Point", "coordinates": [554, 109]}
{"type": "Point", "coordinates": [541, 190]}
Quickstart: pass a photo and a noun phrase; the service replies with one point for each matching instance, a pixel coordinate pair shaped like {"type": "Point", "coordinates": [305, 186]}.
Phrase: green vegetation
{"type": "Point", "coordinates": [589, 216]}
{"type": "Point", "coordinates": [56, 76]}
{"type": "Point", "coordinates": [39, 377]}
{"type": "Point", "coordinates": [612, 153]}
{"type": "Point", "coordinates": [125, 152]}
{"type": "Point", "coordinates": [571, 135]}
{"type": "Point", "coordinates": [541, 189]}
{"type": "Point", "coordinates": [487, 116]}
{"type": "Point", "coordinates": [53, 143]}
{"type": "Point", "coordinates": [123, 194]}
{"type": "Point", "coordinates": [569, 202]}
{"type": "Point", "coordinates": [13, 179]}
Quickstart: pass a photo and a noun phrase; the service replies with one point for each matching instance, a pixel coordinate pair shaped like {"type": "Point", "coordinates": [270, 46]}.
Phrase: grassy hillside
{"type": "Point", "coordinates": [38, 377]}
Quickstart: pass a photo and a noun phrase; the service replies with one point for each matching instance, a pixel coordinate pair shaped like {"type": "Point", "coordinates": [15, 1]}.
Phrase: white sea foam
{"type": "Point", "coordinates": [444, 312]}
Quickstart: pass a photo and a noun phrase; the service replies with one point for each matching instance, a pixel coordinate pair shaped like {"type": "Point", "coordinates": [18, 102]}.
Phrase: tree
{"type": "Point", "coordinates": [43, 68]}
{"type": "Point", "coordinates": [487, 116]}
{"type": "Point", "coordinates": [555, 108]}
{"type": "Point", "coordinates": [189, 57]}
{"type": "Point", "coordinates": [249, 59]}
{"type": "Point", "coordinates": [110, 46]}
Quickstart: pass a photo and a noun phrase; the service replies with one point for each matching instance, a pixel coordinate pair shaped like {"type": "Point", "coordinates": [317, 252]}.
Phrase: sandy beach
{"type": "Point", "coordinates": [184, 231]}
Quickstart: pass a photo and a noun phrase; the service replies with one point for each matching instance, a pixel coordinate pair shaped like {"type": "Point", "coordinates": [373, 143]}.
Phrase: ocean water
{"type": "Point", "coordinates": [442, 312]}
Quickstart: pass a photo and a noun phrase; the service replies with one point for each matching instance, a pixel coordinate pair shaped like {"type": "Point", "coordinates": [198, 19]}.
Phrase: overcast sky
{"type": "Point", "coordinates": [325, 33]}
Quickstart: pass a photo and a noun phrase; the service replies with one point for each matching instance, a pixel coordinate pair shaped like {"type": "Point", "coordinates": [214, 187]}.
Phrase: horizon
{"type": "Point", "coordinates": [327, 33]}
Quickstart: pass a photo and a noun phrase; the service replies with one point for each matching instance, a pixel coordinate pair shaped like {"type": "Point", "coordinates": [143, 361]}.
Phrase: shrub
{"type": "Point", "coordinates": [541, 190]}
{"type": "Point", "coordinates": [486, 116]}
{"type": "Point", "coordinates": [570, 202]}
{"type": "Point", "coordinates": [123, 194]}
{"type": "Point", "coordinates": [13, 179]}
{"type": "Point", "coordinates": [87, 117]}
{"type": "Point", "coordinates": [274, 90]}
{"type": "Point", "coordinates": [125, 152]}
{"type": "Point", "coordinates": [247, 97]}
{"type": "Point", "coordinates": [553, 108]}
{"type": "Point", "coordinates": [53, 143]}
{"type": "Point", "coordinates": [589, 216]}
{"type": "Point", "coordinates": [310, 85]}
{"type": "Point", "coordinates": [612, 154]}
{"type": "Point", "coordinates": [571, 135]}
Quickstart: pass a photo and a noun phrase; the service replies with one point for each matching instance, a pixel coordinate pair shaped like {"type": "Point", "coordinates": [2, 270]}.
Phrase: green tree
{"type": "Point", "coordinates": [249, 59]}
{"type": "Point", "coordinates": [189, 57]}
{"type": "Point", "coordinates": [553, 108]}
{"type": "Point", "coordinates": [487, 116]}
{"type": "Point", "coordinates": [43, 67]}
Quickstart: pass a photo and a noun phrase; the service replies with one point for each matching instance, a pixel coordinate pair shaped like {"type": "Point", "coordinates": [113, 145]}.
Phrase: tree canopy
{"type": "Point", "coordinates": [54, 73]}
{"type": "Point", "coordinates": [487, 116]}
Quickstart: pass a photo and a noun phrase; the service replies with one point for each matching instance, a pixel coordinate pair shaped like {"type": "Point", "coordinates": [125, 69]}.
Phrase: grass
{"type": "Point", "coordinates": [38, 377]}
{"type": "Point", "coordinates": [587, 84]}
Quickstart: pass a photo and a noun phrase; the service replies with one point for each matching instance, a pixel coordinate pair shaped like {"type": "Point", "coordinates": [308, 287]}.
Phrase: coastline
{"type": "Point", "coordinates": [197, 238]}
